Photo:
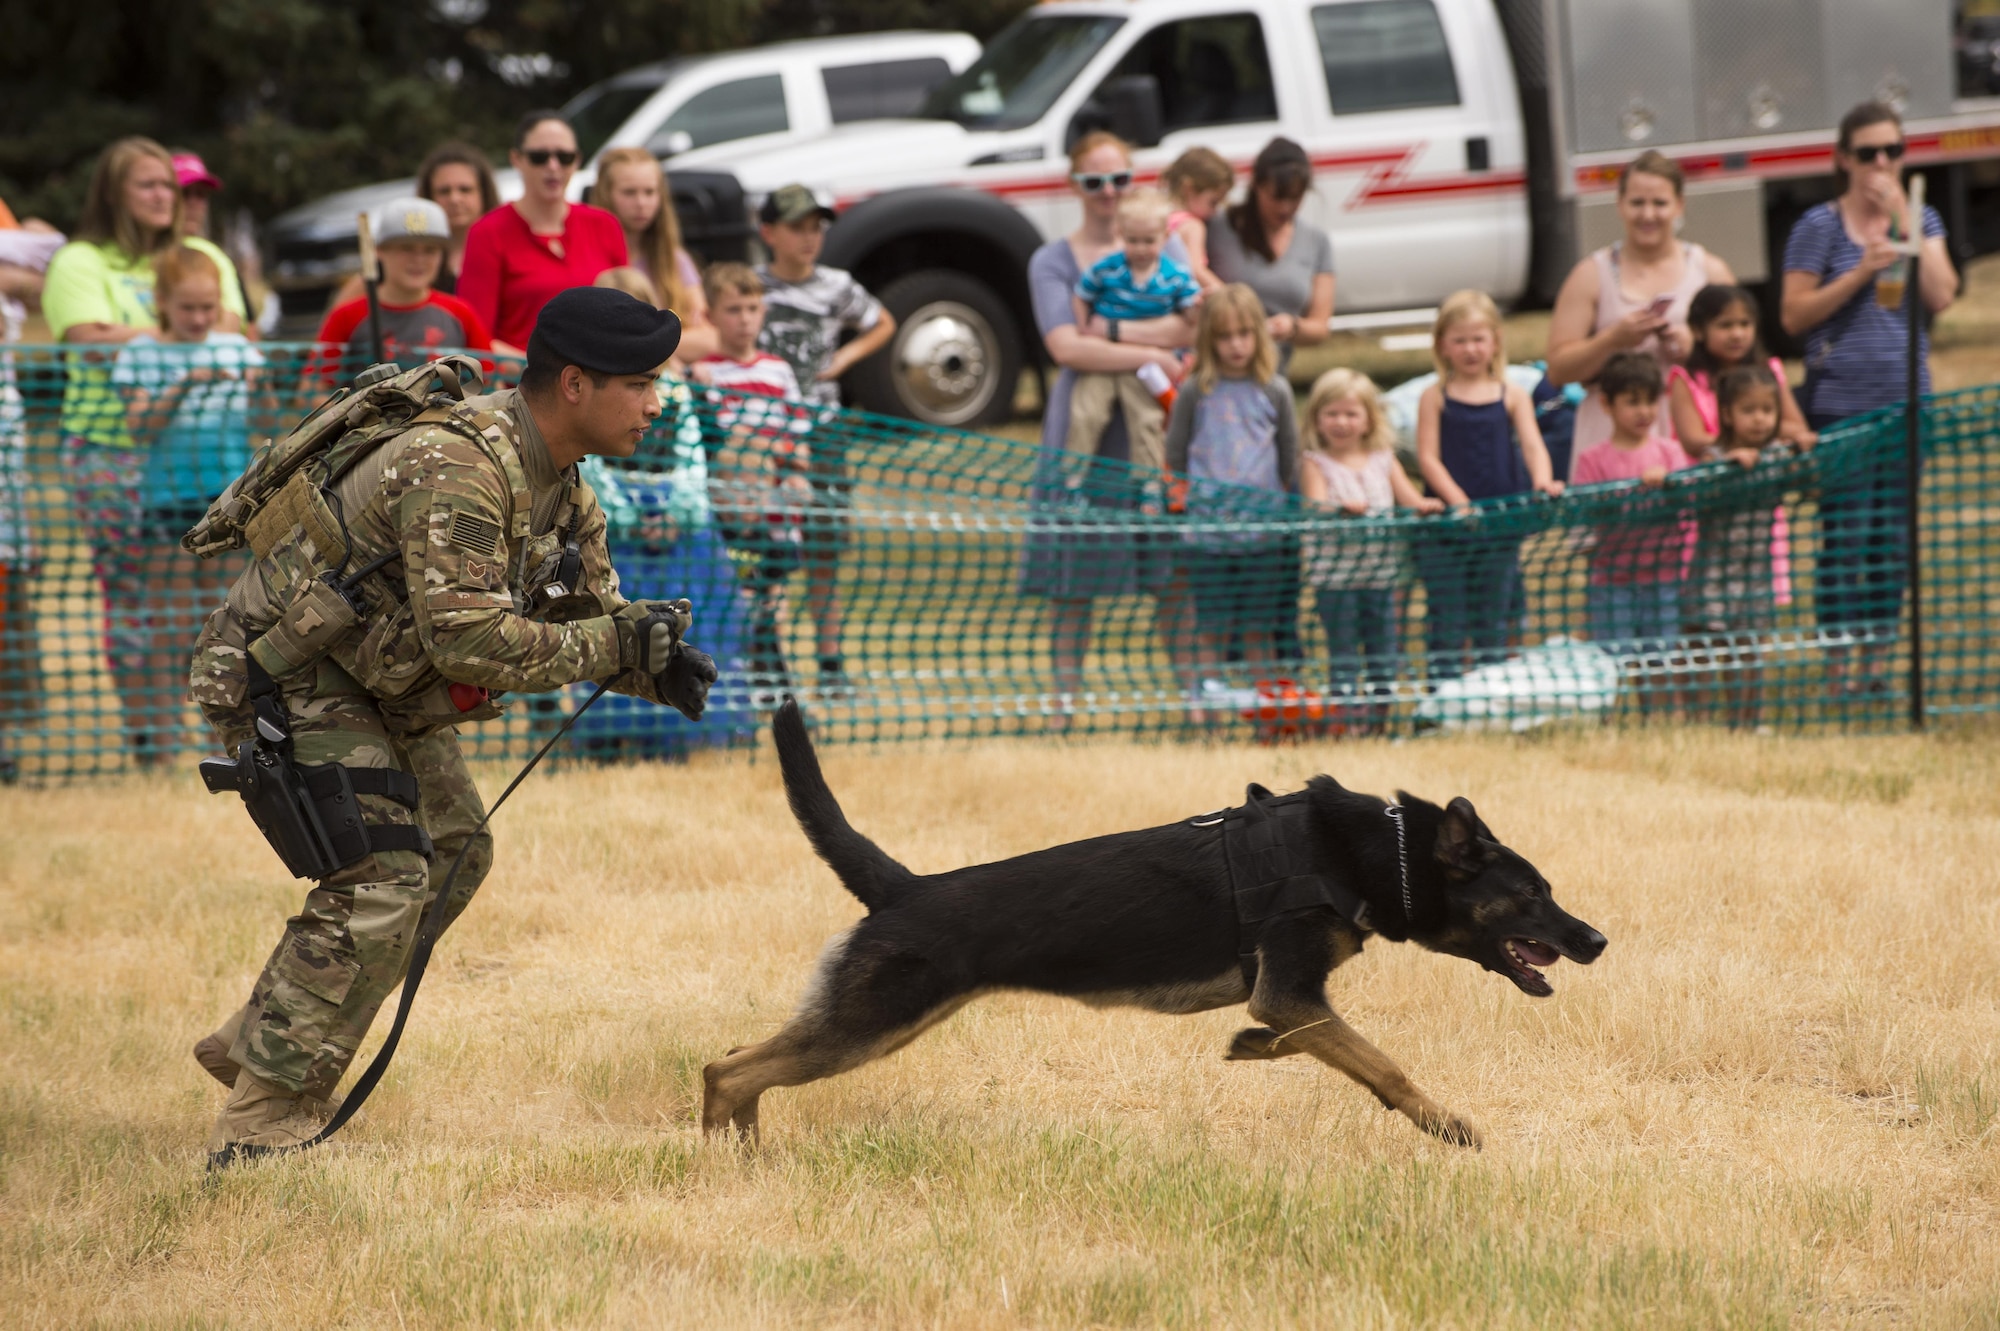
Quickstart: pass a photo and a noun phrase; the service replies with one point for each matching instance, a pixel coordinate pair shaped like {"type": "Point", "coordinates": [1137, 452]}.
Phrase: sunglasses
{"type": "Point", "coordinates": [541, 156]}
{"type": "Point", "coordinates": [1092, 182]}
{"type": "Point", "coordinates": [1867, 153]}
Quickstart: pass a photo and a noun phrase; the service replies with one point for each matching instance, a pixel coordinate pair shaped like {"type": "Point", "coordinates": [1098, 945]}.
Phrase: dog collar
{"type": "Point", "coordinates": [1395, 813]}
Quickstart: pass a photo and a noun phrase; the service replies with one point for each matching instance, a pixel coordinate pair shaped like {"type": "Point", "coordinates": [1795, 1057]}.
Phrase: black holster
{"type": "Point", "coordinates": [310, 814]}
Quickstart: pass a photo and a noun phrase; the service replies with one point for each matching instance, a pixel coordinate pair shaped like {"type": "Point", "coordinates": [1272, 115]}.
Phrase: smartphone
{"type": "Point", "coordinates": [1661, 304]}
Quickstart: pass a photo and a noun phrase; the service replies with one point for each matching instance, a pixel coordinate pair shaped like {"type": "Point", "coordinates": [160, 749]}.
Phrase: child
{"type": "Point", "coordinates": [1138, 281]}
{"type": "Point", "coordinates": [188, 393]}
{"type": "Point", "coordinates": [758, 481]}
{"type": "Point", "coordinates": [1476, 439]}
{"type": "Point", "coordinates": [1351, 468]}
{"type": "Point", "coordinates": [417, 320]}
{"type": "Point", "coordinates": [1197, 182]}
{"type": "Point", "coordinates": [632, 281]}
{"type": "Point", "coordinates": [1633, 598]}
{"type": "Point", "coordinates": [1723, 323]}
{"type": "Point", "coordinates": [1233, 431]}
{"type": "Point", "coordinates": [662, 539]}
{"type": "Point", "coordinates": [808, 309]}
{"type": "Point", "coordinates": [664, 491]}
{"type": "Point", "coordinates": [1727, 600]}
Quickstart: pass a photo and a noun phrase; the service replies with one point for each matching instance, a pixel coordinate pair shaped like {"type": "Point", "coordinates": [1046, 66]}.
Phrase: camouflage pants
{"type": "Point", "coordinates": [349, 946]}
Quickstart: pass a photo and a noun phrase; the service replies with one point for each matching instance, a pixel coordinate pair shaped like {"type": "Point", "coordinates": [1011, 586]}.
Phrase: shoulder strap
{"type": "Point", "coordinates": [483, 428]}
{"type": "Point", "coordinates": [343, 457]}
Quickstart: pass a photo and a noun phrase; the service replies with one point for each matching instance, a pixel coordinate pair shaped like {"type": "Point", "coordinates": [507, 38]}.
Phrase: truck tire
{"type": "Point", "coordinates": [956, 356]}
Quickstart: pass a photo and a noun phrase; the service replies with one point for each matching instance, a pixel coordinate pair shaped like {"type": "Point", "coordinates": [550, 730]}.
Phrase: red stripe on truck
{"type": "Point", "coordinates": [1973, 141]}
{"type": "Point", "coordinates": [1492, 182]}
{"type": "Point", "coordinates": [1386, 179]}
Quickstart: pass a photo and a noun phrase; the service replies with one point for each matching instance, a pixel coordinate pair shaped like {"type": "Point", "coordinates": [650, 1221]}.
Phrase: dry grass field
{"type": "Point", "coordinates": [1775, 1101]}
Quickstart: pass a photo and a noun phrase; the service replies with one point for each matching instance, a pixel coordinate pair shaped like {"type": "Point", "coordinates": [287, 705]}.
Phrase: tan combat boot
{"type": "Point", "coordinates": [259, 1119]}
{"type": "Point", "coordinates": [212, 1050]}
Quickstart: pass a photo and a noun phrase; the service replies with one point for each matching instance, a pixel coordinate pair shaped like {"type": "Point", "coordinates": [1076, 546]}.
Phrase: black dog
{"type": "Point", "coordinates": [1258, 904]}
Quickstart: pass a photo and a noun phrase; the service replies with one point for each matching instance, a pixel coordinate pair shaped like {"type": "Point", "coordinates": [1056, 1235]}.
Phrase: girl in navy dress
{"type": "Point", "coordinates": [1476, 439]}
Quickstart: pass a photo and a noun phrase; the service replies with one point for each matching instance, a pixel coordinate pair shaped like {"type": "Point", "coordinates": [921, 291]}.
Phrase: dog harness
{"type": "Point", "coordinates": [1270, 872]}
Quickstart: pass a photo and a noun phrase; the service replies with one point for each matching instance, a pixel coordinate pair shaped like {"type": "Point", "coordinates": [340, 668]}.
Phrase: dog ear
{"type": "Point", "coordinates": [1458, 840]}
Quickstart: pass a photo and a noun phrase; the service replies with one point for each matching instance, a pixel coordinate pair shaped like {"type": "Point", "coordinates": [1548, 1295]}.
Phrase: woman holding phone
{"type": "Point", "coordinates": [1631, 295]}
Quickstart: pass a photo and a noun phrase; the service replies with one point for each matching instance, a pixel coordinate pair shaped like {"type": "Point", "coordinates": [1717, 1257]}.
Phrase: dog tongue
{"type": "Point", "coordinates": [1535, 952]}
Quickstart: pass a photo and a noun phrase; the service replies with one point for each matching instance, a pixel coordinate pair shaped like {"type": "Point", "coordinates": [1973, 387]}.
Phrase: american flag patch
{"type": "Point", "coordinates": [474, 534]}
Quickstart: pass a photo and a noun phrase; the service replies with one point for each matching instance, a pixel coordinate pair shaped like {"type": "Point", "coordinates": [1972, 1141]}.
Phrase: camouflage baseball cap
{"type": "Point", "coordinates": [792, 203]}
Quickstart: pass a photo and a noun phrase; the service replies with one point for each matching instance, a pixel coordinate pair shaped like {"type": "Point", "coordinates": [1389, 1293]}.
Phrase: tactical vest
{"type": "Point", "coordinates": [1267, 843]}
{"type": "Point", "coordinates": [321, 603]}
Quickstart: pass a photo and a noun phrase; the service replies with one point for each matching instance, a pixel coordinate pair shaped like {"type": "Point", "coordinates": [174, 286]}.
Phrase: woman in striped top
{"type": "Point", "coordinates": [1844, 290]}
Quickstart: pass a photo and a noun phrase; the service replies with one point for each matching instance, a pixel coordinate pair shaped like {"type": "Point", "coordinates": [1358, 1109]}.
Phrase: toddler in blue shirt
{"type": "Point", "coordinates": [1141, 281]}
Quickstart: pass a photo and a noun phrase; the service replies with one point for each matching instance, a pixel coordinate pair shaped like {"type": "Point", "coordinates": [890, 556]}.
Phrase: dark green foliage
{"type": "Point", "coordinates": [291, 99]}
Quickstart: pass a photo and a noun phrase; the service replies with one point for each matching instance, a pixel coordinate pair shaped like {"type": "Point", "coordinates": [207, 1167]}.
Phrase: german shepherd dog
{"type": "Point", "coordinates": [1148, 919]}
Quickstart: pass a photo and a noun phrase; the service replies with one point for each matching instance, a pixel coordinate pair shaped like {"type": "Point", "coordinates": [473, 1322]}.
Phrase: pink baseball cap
{"type": "Point", "coordinates": [189, 169]}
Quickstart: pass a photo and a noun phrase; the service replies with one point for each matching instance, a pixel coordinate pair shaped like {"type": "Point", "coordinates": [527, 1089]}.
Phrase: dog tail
{"type": "Point", "coordinates": [864, 868]}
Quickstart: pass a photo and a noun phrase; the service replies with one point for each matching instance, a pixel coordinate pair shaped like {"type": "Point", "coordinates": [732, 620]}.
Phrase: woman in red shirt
{"type": "Point", "coordinates": [519, 256]}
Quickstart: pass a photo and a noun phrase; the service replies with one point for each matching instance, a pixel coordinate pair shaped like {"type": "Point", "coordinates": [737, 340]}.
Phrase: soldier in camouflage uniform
{"type": "Point", "coordinates": [476, 513]}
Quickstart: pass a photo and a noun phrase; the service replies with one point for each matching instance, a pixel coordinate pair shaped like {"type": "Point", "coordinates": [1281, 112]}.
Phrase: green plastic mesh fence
{"type": "Point", "coordinates": [908, 582]}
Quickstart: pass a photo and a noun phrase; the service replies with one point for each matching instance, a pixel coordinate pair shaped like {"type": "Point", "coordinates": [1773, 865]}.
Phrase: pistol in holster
{"type": "Point", "coordinates": [310, 813]}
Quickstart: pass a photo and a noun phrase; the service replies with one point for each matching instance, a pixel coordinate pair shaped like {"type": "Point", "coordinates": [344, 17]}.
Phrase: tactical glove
{"type": "Point", "coordinates": [684, 683]}
{"type": "Point", "coordinates": [648, 632]}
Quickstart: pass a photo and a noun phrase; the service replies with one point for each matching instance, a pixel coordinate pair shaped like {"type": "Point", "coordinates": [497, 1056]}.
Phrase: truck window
{"type": "Point", "coordinates": [1977, 41]}
{"type": "Point", "coordinates": [597, 112]}
{"type": "Point", "coordinates": [1019, 75]}
{"type": "Point", "coordinates": [729, 111]}
{"type": "Point", "coordinates": [1211, 71]}
{"type": "Point", "coordinates": [1384, 55]}
{"type": "Point", "coordinates": [884, 91]}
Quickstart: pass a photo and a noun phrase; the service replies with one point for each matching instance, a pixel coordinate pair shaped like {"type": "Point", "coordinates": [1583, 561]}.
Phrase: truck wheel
{"type": "Point", "coordinates": [956, 356]}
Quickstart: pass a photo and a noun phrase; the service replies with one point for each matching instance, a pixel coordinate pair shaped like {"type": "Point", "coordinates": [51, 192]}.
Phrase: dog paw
{"type": "Point", "coordinates": [1252, 1043]}
{"type": "Point", "coordinates": [1451, 1128]}
{"type": "Point", "coordinates": [715, 1112]}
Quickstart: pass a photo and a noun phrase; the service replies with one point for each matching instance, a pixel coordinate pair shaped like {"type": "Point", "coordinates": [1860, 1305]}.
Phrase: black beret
{"type": "Point", "coordinates": [607, 331]}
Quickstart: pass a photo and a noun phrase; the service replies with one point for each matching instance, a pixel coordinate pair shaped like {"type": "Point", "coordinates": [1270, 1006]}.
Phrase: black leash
{"type": "Point", "coordinates": [427, 937]}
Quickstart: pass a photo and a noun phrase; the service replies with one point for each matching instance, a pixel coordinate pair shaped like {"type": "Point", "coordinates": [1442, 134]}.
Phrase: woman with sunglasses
{"type": "Point", "coordinates": [518, 257]}
{"type": "Point", "coordinates": [1845, 290]}
{"type": "Point", "coordinates": [1072, 568]}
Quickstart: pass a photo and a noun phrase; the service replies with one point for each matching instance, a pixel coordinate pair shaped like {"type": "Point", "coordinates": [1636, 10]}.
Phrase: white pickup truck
{"type": "Point", "coordinates": [755, 98]}
{"type": "Point", "coordinates": [1455, 143]}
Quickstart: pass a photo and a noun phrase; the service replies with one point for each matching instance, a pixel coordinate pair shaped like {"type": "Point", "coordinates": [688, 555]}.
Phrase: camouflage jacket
{"type": "Point", "coordinates": [480, 516]}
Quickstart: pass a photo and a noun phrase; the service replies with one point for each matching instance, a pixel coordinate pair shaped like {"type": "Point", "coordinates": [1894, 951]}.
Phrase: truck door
{"type": "Point", "coordinates": [1216, 89]}
{"type": "Point", "coordinates": [1418, 166]}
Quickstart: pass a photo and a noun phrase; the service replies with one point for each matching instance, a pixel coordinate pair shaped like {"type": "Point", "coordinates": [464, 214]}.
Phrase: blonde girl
{"type": "Point", "coordinates": [1476, 439]}
{"type": "Point", "coordinates": [190, 391]}
{"type": "Point", "coordinates": [1233, 435]}
{"type": "Point", "coordinates": [1350, 467]}
{"type": "Point", "coordinates": [632, 186]}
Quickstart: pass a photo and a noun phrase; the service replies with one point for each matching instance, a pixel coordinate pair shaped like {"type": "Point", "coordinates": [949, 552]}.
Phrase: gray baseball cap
{"type": "Point", "coordinates": [410, 219]}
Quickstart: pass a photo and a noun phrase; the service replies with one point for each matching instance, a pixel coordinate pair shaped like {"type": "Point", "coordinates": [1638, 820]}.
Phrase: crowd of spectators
{"type": "Point", "coordinates": [165, 386]}
{"type": "Point", "coordinates": [1653, 326]}
{"type": "Point", "coordinates": [1170, 317]}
